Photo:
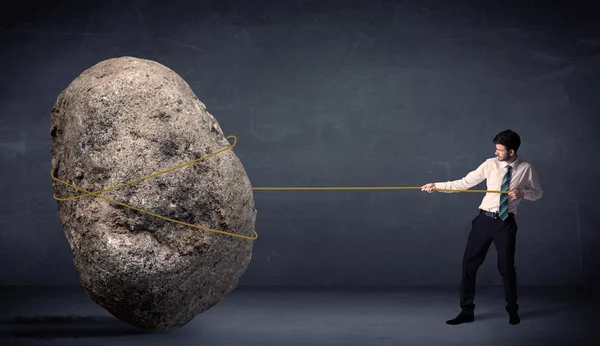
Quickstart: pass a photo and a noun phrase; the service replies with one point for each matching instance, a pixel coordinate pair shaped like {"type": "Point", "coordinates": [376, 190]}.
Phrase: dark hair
{"type": "Point", "coordinates": [509, 139]}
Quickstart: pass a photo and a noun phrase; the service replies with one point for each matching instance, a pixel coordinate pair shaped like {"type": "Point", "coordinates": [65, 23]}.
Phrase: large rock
{"type": "Point", "coordinates": [124, 119]}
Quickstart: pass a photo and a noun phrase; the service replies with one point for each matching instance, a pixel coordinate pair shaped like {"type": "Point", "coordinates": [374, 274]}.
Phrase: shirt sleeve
{"type": "Point", "coordinates": [471, 179]}
{"type": "Point", "coordinates": [533, 191]}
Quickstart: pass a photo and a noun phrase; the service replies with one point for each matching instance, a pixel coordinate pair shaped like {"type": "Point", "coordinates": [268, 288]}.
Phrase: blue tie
{"type": "Point", "coordinates": [503, 211]}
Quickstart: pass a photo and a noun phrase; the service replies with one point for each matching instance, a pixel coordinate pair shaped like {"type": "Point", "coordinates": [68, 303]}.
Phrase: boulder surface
{"type": "Point", "coordinates": [124, 119]}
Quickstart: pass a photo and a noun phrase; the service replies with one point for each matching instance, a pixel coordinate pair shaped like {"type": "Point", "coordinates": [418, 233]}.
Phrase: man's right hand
{"type": "Point", "coordinates": [428, 187]}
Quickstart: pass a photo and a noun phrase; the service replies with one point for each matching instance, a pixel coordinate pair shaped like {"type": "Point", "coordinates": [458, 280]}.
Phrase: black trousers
{"type": "Point", "coordinates": [485, 230]}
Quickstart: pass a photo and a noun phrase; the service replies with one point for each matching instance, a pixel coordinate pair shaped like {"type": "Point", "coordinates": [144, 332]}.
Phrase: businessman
{"type": "Point", "coordinates": [495, 221]}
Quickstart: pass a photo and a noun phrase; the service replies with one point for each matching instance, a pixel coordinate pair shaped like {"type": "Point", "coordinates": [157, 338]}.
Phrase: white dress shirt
{"type": "Point", "coordinates": [523, 177]}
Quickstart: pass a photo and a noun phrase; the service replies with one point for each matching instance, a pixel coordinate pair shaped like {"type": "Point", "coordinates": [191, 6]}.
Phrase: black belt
{"type": "Point", "coordinates": [494, 215]}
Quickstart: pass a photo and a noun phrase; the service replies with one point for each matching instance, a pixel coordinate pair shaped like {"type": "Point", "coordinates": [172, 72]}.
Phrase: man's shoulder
{"type": "Point", "coordinates": [490, 161]}
{"type": "Point", "coordinates": [488, 165]}
{"type": "Point", "coordinates": [526, 164]}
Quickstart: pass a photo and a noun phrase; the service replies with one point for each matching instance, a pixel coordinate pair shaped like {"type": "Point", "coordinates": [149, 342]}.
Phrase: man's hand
{"type": "Point", "coordinates": [428, 187]}
{"type": "Point", "coordinates": [516, 194]}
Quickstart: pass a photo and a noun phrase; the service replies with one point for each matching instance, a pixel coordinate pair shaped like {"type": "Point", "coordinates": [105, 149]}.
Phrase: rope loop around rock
{"type": "Point", "coordinates": [348, 188]}
{"type": "Point", "coordinates": [98, 194]}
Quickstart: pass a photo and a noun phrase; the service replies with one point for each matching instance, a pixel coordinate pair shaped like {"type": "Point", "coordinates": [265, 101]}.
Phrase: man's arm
{"type": "Point", "coordinates": [533, 192]}
{"type": "Point", "coordinates": [471, 179]}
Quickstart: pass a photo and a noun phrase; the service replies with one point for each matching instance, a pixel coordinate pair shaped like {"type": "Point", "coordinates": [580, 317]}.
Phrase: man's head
{"type": "Point", "coordinates": [507, 144]}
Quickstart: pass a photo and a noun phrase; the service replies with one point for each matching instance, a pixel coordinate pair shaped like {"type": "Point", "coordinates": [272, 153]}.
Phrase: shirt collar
{"type": "Point", "coordinates": [515, 163]}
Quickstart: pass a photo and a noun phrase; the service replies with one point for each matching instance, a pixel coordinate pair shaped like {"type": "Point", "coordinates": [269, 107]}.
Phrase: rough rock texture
{"type": "Point", "coordinates": [124, 119]}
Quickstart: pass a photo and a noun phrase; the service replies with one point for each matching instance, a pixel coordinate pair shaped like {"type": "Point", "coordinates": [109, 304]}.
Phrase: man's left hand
{"type": "Point", "coordinates": [516, 194]}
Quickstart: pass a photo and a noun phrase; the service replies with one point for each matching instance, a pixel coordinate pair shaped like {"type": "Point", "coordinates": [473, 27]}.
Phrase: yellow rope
{"type": "Point", "coordinates": [369, 188]}
{"type": "Point", "coordinates": [97, 193]}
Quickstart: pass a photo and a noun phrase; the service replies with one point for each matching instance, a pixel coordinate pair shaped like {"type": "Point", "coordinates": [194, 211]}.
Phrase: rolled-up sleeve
{"type": "Point", "coordinates": [533, 191]}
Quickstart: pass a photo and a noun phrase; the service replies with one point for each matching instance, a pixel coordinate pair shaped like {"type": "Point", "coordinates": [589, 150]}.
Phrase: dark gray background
{"type": "Point", "coordinates": [334, 93]}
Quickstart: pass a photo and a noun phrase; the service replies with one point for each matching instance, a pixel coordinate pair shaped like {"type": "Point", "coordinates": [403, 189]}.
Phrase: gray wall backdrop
{"type": "Point", "coordinates": [334, 93]}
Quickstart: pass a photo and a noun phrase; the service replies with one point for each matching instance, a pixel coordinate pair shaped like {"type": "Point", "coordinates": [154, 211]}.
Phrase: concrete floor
{"type": "Point", "coordinates": [313, 316]}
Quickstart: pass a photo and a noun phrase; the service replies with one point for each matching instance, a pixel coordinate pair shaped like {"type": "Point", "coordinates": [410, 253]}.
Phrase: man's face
{"type": "Point", "coordinates": [502, 153]}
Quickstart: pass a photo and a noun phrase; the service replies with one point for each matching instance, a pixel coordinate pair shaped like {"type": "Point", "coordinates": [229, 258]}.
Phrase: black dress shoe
{"type": "Point", "coordinates": [463, 317]}
{"type": "Point", "coordinates": [514, 318]}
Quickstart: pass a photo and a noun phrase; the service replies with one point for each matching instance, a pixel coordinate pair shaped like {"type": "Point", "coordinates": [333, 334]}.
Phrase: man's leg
{"type": "Point", "coordinates": [478, 244]}
{"type": "Point", "coordinates": [505, 238]}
